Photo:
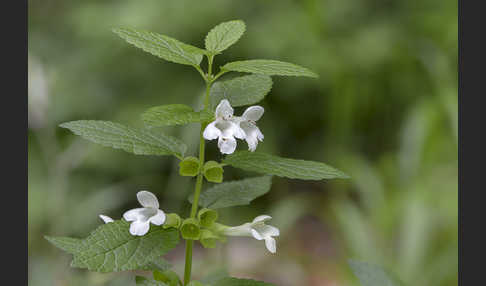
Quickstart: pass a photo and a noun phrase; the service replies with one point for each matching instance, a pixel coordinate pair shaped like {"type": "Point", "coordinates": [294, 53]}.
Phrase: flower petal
{"type": "Point", "coordinates": [224, 109]}
{"type": "Point", "coordinates": [262, 218]}
{"type": "Point", "coordinates": [227, 145]}
{"type": "Point", "coordinates": [211, 132]}
{"type": "Point", "coordinates": [253, 134]}
{"type": "Point", "coordinates": [139, 227]}
{"type": "Point", "coordinates": [158, 219]}
{"type": "Point", "coordinates": [267, 230]}
{"type": "Point", "coordinates": [256, 235]}
{"type": "Point", "coordinates": [106, 219]}
{"type": "Point", "coordinates": [271, 244]}
{"type": "Point", "coordinates": [253, 113]}
{"type": "Point", "coordinates": [147, 199]}
{"type": "Point", "coordinates": [136, 214]}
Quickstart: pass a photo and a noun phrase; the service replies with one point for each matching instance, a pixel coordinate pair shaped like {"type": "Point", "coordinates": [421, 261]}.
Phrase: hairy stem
{"type": "Point", "coordinates": [199, 180]}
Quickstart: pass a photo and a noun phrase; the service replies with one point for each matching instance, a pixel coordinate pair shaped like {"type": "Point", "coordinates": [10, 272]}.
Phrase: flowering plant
{"type": "Point", "coordinates": [143, 235]}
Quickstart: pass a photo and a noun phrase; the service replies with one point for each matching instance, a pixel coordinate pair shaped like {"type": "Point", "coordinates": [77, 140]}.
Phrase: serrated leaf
{"type": "Point", "coordinates": [158, 263]}
{"type": "Point", "coordinates": [283, 167]}
{"type": "Point", "coordinates": [268, 67]}
{"type": "Point", "coordinates": [235, 193]}
{"type": "Point", "coordinates": [240, 91]}
{"type": "Point", "coordinates": [174, 114]}
{"type": "Point", "coordinates": [111, 247]}
{"type": "Point", "coordinates": [162, 46]}
{"type": "Point", "coordinates": [132, 140]}
{"type": "Point", "coordinates": [143, 281]}
{"type": "Point", "coordinates": [68, 244]}
{"type": "Point", "coordinates": [372, 275]}
{"type": "Point", "coordinates": [224, 35]}
{"type": "Point", "coordinates": [231, 281]}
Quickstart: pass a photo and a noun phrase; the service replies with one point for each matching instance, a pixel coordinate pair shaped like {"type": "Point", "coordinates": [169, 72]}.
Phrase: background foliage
{"type": "Point", "coordinates": [384, 110]}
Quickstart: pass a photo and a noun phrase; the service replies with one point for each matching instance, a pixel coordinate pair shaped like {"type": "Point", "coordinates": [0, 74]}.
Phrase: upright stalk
{"type": "Point", "coordinates": [199, 179]}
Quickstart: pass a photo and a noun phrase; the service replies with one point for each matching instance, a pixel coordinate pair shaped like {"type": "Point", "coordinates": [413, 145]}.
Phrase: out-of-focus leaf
{"type": "Point", "coordinates": [132, 140]}
{"type": "Point", "coordinates": [162, 46]}
{"type": "Point", "coordinates": [231, 281]}
{"type": "Point", "coordinates": [224, 35]}
{"type": "Point", "coordinates": [235, 193]}
{"type": "Point", "coordinates": [283, 167]}
{"type": "Point", "coordinates": [240, 91]}
{"type": "Point", "coordinates": [269, 67]}
{"type": "Point", "coordinates": [143, 281]}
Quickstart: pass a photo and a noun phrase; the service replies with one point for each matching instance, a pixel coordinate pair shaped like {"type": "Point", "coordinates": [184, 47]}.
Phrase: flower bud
{"type": "Point", "coordinates": [213, 172]}
{"type": "Point", "coordinates": [189, 167]}
{"type": "Point", "coordinates": [172, 220]}
{"type": "Point", "coordinates": [207, 217]}
{"type": "Point", "coordinates": [190, 229]}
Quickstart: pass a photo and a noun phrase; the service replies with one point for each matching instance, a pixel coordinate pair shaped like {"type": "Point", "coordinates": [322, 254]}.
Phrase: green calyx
{"type": "Point", "coordinates": [190, 229]}
{"type": "Point", "coordinates": [207, 217]}
{"type": "Point", "coordinates": [213, 171]}
{"type": "Point", "coordinates": [172, 220]}
{"type": "Point", "coordinates": [169, 277]}
{"type": "Point", "coordinates": [208, 238]}
{"type": "Point", "coordinates": [189, 167]}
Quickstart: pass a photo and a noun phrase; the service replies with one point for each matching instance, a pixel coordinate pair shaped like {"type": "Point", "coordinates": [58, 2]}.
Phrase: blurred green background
{"type": "Point", "coordinates": [384, 110]}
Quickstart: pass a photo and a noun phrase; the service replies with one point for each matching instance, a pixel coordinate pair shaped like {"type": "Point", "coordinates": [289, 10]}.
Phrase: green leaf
{"type": "Point", "coordinates": [231, 281]}
{"type": "Point", "coordinates": [240, 91]}
{"type": "Point", "coordinates": [268, 67]}
{"type": "Point", "coordinates": [213, 172]}
{"type": "Point", "coordinates": [372, 275]}
{"type": "Point", "coordinates": [72, 246]}
{"type": "Point", "coordinates": [68, 244]}
{"type": "Point", "coordinates": [162, 46]}
{"type": "Point", "coordinates": [143, 281]}
{"type": "Point", "coordinates": [111, 247]}
{"type": "Point", "coordinates": [235, 193]}
{"type": "Point", "coordinates": [224, 35]}
{"type": "Point", "coordinates": [132, 140]}
{"type": "Point", "coordinates": [174, 114]}
{"type": "Point", "coordinates": [158, 263]}
{"type": "Point", "coordinates": [283, 167]}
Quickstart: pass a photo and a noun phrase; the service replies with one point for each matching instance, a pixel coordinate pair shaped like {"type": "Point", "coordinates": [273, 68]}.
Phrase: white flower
{"type": "Point", "coordinates": [106, 219]}
{"type": "Point", "coordinates": [224, 128]}
{"type": "Point", "coordinates": [142, 217]}
{"type": "Point", "coordinates": [258, 229]}
{"type": "Point", "coordinates": [247, 122]}
{"type": "Point", "coordinates": [227, 127]}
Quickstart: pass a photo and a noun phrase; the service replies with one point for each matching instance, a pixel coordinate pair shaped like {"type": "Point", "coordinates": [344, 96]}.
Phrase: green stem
{"type": "Point", "coordinates": [199, 180]}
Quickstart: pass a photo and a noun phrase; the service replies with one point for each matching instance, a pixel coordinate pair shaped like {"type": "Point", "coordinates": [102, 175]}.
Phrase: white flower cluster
{"type": "Point", "coordinates": [141, 219]}
{"type": "Point", "coordinates": [227, 127]}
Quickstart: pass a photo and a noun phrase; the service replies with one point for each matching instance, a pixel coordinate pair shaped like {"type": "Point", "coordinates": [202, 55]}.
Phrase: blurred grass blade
{"type": "Point", "coordinates": [283, 167]}
{"type": "Point", "coordinates": [162, 46]}
{"type": "Point", "coordinates": [132, 140]}
{"type": "Point", "coordinates": [372, 275]}
{"type": "Point", "coordinates": [240, 91]}
{"type": "Point", "coordinates": [224, 35]}
{"type": "Point", "coordinates": [269, 67]}
{"type": "Point", "coordinates": [174, 114]}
